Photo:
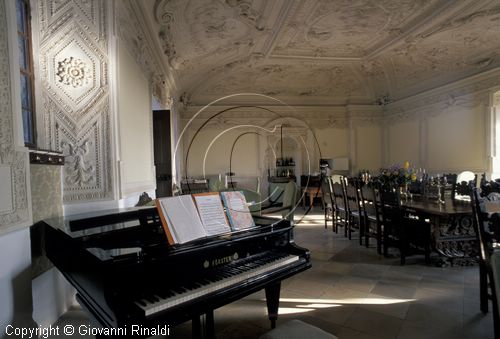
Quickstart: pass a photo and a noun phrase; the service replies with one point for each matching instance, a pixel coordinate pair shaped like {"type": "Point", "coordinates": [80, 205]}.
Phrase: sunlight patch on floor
{"type": "Point", "coordinates": [294, 310]}
{"type": "Point", "coordinates": [345, 301]}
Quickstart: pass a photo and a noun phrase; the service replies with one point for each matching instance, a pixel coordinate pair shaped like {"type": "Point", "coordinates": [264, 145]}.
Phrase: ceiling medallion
{"type": "Point", "coordinates": [73, 72]}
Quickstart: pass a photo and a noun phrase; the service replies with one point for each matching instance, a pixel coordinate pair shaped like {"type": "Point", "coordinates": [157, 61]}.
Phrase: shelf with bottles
{"type": "Point", "coordinates": [285, 162]}
{"type": "Point", "coordinates": [286, 173]}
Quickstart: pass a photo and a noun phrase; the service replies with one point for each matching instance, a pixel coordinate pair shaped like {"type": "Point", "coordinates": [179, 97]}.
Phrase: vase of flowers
{"type": "Point", "coordinates": [397, 176]}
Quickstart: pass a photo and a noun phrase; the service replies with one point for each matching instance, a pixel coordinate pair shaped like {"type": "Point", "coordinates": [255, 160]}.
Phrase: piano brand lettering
{"type": "Point", "coordinates": [224, 260]}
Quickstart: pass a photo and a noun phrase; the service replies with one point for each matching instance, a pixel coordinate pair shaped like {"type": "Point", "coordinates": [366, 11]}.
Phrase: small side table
{"type": "Point", "coordinates": [311, 191]}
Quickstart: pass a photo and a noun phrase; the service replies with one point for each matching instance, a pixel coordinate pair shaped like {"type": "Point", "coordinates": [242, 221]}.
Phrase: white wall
{"type": "Point", "coordinates": [404, 142]}
{"type": "Point", "coordinates": [448, 129]}
{"type": "Point", "coordinates": [15, 280]}
{"type": "Point", "coordinates": [52, 296]}
{"type": "Point", "coordinates": [369, 148]}
{"type": "Point", "coordinates": [352, 132]}
{"type": "Point", "coordinates": [134, 116]}
{"type": "Point", "coordinates": [333, 142]}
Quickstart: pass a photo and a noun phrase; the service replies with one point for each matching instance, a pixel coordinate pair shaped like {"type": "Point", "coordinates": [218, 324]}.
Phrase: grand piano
{"type": "Point", "coordinates": [126, 274]}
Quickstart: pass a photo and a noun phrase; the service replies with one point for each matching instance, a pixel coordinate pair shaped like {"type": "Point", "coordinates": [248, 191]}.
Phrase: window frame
{"type": "Point", "coordinates": [28, 72]}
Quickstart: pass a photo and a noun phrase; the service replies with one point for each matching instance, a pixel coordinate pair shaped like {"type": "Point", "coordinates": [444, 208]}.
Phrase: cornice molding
{"type": "Point", "coordinates": [315, 117]}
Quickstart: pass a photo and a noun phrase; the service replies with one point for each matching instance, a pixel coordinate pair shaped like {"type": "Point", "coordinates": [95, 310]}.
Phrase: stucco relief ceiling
{"type": "Point", "coordinates": [323, 51]}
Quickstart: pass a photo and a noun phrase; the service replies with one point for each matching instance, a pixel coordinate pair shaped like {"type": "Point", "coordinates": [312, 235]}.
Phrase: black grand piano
{"type": "Point", "coordinates": [126, 274]}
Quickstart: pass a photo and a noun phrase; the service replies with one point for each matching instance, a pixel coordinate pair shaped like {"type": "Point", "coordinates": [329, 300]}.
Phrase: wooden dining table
{"type": "Point", "coordinates": [453, 235]}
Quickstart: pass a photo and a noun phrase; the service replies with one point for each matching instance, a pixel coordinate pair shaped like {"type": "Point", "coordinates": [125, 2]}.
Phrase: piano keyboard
{"type": "Point", "coordinates": [226, 277]}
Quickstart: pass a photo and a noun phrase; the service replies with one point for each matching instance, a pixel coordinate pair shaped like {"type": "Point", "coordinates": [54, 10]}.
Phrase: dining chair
{"type": "Point", "coordinates": [487, 187]}
{"type": "Point", "coordinates": [340, 214]}
{"type": "Point", "coordinates": [488, 276]}
{"type": "Point", "coordinates": [326, 191]}
{"type": "Point", "coordinates": [371, 216]}
{"type": "Point", "coordinates": [391, 219]}
{"type": "Point", "coordinates": [449, 182]}
{"type": "Point", "coordinates": [354, 211]}
{"type": "Point", "coordinates": [400, 230]}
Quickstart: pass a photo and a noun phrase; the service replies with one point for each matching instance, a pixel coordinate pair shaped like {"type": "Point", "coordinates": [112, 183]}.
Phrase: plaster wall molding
{"type": "Point", "coordinates": [496, 98]}
{"type": "Point", "coordinates": [74, 80]}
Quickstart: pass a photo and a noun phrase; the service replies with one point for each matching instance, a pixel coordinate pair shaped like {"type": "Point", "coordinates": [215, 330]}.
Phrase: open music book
{"type": "Point", "coordinates": [189, 217]}
{"type": "Point", "coordinates": [237, 210]}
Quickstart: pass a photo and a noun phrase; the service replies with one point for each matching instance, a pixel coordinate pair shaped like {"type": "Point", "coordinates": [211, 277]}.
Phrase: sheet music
{"type": "Point", "coordinates": [212, 213]}
{"type": "Point", "coordinates": [182, 218]}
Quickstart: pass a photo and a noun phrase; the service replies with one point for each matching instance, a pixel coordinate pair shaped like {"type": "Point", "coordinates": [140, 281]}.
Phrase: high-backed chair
{"type": "Point", "coordinates": [407, 234]}
{"type": "Point", "coordinates": [355, 213]}
{"type": "Point", "coordinates": [488, 277]}
{"type": "Point", "coordinates": [340, 214]}
{"type": "Point", "coordinates": [372, 217]}
{"type": "Point", "coordinates": [326, 191]}
{"type": "Point", "coordinates": [449, 182]}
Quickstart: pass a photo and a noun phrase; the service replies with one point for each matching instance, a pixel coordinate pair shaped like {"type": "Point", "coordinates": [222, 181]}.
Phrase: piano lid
{"type": "Point", "coordinates": [96, 222]}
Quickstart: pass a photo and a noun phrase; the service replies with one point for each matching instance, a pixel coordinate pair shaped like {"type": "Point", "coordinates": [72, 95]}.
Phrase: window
{"type": "Point", "coordinates": [26, 69]}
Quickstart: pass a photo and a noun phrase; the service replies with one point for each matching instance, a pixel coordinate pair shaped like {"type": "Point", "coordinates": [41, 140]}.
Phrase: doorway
{"type": "Point", "coordinates": [162, 153]}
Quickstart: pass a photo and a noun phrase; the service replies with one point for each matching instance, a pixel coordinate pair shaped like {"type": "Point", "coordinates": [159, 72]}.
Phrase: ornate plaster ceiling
{"type": "Point", "coordinates": [326, 52]}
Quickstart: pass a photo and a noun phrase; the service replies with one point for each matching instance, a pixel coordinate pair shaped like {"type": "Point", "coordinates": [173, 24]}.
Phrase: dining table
{"type": "Point", "coordinates": [452, 231]}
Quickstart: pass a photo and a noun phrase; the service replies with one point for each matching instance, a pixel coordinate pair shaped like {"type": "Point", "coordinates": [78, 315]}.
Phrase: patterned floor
{"type": "Point", "coordinates": [353, 292]}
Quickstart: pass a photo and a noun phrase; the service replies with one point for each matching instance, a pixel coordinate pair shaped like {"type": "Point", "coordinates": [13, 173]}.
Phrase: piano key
{"type": "Point", "coordinates": [221, 280]}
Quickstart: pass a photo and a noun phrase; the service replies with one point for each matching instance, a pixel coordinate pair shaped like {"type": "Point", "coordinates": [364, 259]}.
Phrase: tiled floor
{"type": "Point", "coordinates": [353, 292]}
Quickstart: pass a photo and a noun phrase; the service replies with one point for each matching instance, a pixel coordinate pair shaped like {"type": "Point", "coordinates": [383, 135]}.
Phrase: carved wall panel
{"type": "Point", "coordinates": [18, 213]}
{"type": "Point", "coordinates": [73, 51]}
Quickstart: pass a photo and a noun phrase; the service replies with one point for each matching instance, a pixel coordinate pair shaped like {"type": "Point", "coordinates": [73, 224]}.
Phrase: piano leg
{"type": "Point", "coordinates": [196, 327]}
{"type": "Point", "coordinates": [203, 326]}
{"type": "Point", "coordinates": [273, 302]}
{"type": "Point", "coordinates": [209, 325]}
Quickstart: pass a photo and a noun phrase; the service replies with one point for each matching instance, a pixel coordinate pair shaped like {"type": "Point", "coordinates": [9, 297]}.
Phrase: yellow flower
{"type": "Point", "coordinates": [406, 165]}
{"type": "Point", "coordinates": [414, 177]}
